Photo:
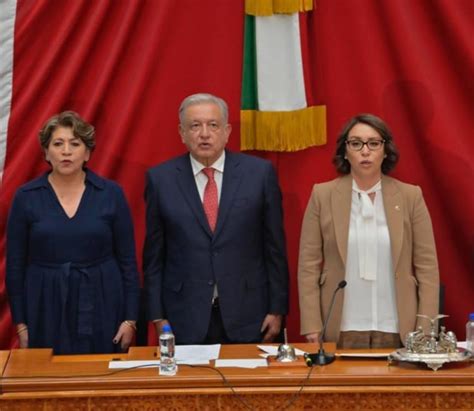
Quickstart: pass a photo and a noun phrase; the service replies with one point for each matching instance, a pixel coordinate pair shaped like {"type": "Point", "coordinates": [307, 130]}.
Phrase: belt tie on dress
{"type": "Point", "coordinates": [85, 306]}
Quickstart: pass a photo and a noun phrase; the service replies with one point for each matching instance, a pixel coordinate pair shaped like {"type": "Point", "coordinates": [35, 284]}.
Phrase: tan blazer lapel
{"type": "Point", "coordinates": [341, 210]}
{"type": "Point", "coordinates": [393, 205]}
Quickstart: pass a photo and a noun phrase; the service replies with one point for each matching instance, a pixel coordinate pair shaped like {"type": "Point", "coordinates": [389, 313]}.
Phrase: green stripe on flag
{"type": "Point", "coordinates": [249, 75]}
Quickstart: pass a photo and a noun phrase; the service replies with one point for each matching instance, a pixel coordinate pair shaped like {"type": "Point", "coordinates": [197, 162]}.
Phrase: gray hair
{"type": "Point", "coordinates": [201, 98]}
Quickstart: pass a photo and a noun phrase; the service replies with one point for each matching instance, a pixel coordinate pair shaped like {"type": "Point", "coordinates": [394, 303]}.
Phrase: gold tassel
{"type": "Point", "coordinates": [269, 7]}
{"type": "Point", "coordinates": [283, 130]}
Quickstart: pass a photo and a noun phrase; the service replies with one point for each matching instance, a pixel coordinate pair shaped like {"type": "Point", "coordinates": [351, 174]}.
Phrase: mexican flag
{"type": "Point", "coordinates": [277, 110]}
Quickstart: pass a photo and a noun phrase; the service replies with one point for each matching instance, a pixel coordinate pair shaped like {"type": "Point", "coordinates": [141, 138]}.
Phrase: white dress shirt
{"type": "Point", "coordinates": [369, 300]}
{"type": "Point", "coordinates": [201, 178]}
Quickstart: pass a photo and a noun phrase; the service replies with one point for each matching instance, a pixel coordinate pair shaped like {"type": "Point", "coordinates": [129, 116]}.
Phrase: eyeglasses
{"type": "Point", "coordinates": [372, 145]}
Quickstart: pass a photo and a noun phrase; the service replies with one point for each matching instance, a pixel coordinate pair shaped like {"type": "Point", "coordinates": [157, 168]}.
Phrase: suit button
{"type": "Point", "coordinates": [210, 282]}
{"type": "Point", "coordinates": [215, 253]}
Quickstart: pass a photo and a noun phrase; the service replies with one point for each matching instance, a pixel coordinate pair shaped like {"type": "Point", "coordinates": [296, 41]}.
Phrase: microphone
{"type": "Point", "coordinates": [321, 357]}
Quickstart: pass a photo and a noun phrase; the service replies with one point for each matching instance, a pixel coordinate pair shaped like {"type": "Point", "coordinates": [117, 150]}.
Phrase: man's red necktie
{"type": "Point", "coordinates": [210, 198]}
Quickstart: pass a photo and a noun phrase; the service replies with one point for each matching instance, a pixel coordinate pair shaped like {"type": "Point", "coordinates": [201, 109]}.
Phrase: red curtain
{"type": "Point", "coordinates": [125, 65]}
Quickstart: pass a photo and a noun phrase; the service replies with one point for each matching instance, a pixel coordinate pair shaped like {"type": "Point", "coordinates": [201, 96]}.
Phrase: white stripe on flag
{"type": "Point", "coordinates": [280, 79]}
{"type": "Point", "coordinates": [7, 31]}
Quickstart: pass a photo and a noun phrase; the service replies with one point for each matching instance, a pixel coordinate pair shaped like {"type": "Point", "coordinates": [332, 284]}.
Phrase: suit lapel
{"type": "Point", "coordinates": [187, 185]}
{"type": "Point", "coordinates": [230, 183]}
{"type": "Point", "coordinates": [341, 200]}
{"type": "Point", "coordinates": [393, 205]}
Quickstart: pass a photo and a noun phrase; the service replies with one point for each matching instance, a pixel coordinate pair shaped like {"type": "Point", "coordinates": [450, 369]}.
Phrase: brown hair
{"type": "Point", "coordinates": [391, 151]}
{"type": "Point", "coordinates": [68, 119]}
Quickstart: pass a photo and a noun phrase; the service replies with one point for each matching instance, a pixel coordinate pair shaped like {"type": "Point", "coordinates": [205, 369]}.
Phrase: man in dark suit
{"type": "Point", "coordinates": [214, 256]}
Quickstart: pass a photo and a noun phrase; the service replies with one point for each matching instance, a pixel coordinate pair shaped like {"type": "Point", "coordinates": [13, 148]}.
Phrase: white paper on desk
{"type": "Point", "coordinates": [363, 354]}
{"type": "Point", "coordinates": [242, 363]}
{"type": "Point", "coordinates": [189, 354]}
{"type": "Point", "coordinates": [184, 354]}
{"type": "Point", "coordinates": [132, 364]}
{"type": "Point", "coordinates": [273, 350]}
{"type": "Point", "coordinates": [153, 363]}
{"type": "Point", "coordinates": [462, 344]}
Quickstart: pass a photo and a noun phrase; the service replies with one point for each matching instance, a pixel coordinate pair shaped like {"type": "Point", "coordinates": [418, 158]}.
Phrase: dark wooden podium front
{"type": "Point", "coordinates": [37, 380]}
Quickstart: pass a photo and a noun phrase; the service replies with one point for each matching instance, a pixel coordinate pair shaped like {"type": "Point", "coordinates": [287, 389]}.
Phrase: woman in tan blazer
{"type": "Point", "coordinates": [374, 232]}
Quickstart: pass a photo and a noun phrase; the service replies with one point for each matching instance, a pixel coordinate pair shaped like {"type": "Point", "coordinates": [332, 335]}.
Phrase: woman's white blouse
{"type": "Point", "coordinates": [369, 298]}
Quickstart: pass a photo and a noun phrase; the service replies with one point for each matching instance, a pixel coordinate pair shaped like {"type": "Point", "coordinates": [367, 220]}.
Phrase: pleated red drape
{"type": "Point", "coordinates": [125, 65]}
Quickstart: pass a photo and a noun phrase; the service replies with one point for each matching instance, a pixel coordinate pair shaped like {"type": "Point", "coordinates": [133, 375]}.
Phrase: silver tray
{"type": "Point", "coordinates": [433, 361]}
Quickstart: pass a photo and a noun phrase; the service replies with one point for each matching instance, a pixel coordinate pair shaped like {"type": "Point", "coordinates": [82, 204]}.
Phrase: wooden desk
{"type": "Point", "coordinates": [37, 380]}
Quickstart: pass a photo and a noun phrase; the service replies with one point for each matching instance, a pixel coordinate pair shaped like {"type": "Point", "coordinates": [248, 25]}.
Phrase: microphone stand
{"type": "Point", "coordinates": [322, 357]}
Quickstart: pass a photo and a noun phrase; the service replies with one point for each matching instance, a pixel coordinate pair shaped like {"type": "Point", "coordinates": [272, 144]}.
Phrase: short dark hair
{"type": "Point", "coordinates": [68, 119]}
{"type": "Point", "coordinates": [391, 151]}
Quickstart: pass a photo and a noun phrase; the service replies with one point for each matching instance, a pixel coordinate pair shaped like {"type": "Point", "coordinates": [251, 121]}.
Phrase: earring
{"type": "Point", "coordinates": [385, 156]}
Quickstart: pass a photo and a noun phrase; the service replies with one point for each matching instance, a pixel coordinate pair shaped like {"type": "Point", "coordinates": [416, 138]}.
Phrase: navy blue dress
{"type": "Point", "coordinates": [72, 280]}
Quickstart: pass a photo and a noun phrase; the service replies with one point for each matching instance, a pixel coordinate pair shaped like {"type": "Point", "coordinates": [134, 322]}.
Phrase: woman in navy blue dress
{"type": "Point", "coordinates": [71, 275]}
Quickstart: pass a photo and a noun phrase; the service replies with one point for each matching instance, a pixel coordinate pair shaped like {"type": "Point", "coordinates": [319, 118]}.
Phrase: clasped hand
{"type": "Point", "coordinates": [125, 335]}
